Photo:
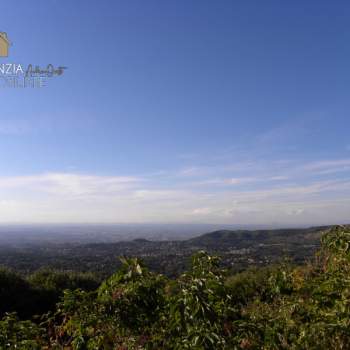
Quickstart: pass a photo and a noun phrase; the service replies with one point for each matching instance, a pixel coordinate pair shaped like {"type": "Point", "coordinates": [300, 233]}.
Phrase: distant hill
{"type": "Point", "coordinates": [244, 238]}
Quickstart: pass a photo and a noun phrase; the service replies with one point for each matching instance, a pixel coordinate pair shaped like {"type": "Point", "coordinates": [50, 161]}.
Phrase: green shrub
{"type": "Point", "coordinates": [280, 307]}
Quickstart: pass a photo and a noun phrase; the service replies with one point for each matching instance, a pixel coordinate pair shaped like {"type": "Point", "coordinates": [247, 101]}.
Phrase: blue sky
{"type": "Point", "coordinates": [178, 111]}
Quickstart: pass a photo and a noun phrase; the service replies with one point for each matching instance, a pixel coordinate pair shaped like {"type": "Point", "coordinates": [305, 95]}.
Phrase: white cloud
{"type": "Point", "coordinates": [279, 178]}
{"type": "Point", "coordinates": [201, 211]}
{"type": "Point", "coordinates": [328, 165]}
{"type": "Point", "coordinates": [227, 181]}
{"type": "Point", "coordinates": [237, 180]}
{"type": "Point", "coordinates": [68, 184]}
{"type": "Point", "coordinates": [261, 195]}
{"type": "Point", "coordinates": [191, 171]}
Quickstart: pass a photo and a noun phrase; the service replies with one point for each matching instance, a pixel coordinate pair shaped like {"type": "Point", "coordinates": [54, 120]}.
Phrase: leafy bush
{"type": "Point", "coordinates": [280, 307]}
{"type": "Point", "coordinates": [21, 335]}
{"type": "Point", "coordinates": [17, 295]}
{"type": "Point", "coordinates": [58, 281]}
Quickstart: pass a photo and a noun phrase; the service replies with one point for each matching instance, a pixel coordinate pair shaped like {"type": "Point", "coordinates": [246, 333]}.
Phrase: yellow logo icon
{"type": "Point", "coordinates": [4, 45]}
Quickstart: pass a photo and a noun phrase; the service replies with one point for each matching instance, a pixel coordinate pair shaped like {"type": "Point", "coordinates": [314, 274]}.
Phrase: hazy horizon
{"type": "Point", "coordinates": [43, 235]}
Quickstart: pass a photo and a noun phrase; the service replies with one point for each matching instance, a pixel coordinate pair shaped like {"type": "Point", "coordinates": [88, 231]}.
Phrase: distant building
{"type": "Point", "coordinates": [4, 45]}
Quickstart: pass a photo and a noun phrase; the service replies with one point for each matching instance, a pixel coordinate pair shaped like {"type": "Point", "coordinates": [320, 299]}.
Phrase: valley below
{"type": "Point", "coordinates": [238, 249]}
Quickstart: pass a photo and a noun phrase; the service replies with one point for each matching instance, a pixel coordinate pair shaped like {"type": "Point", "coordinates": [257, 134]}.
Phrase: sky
{"type": "Point", "coordinates": [232, 112]}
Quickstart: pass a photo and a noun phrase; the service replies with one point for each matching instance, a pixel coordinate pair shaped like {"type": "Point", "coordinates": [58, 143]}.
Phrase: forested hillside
{"type": "Point", "coordinates": [238, 249]}
{"type": "Point", "coordinates": [282, 306]}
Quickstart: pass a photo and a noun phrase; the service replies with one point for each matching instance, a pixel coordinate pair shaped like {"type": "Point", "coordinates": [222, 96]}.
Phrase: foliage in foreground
{"type": "Point", "coordinates": [280, 307]}
{"type": "Point", "coordinates": [39, 292]}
